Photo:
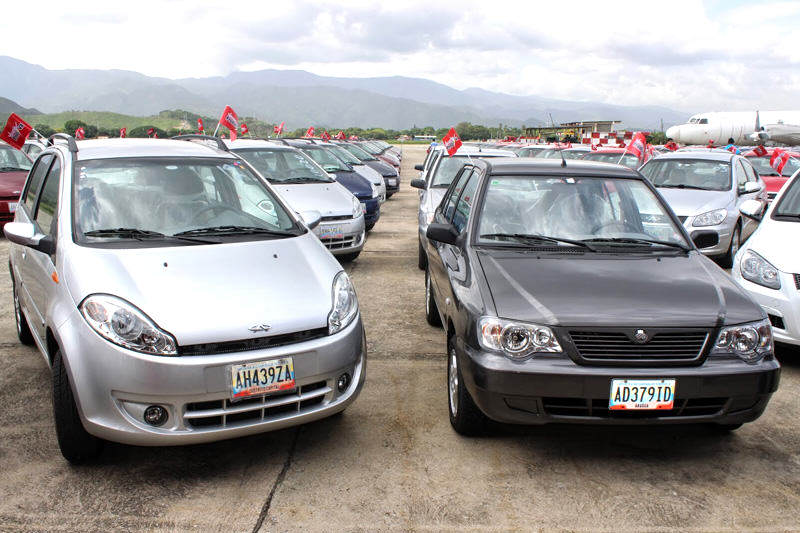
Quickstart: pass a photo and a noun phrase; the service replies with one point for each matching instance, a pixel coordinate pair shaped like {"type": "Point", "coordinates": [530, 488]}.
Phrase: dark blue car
{"type": "Point", "coordinates": [390, 175]}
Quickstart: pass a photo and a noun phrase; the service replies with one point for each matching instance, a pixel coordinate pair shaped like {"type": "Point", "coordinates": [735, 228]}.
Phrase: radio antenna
{"type": "Point", "coordinates": [563, 161]}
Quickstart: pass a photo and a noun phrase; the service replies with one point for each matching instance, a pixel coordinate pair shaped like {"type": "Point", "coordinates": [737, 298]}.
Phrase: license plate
{"type": "Point", "coordinates": [392, 182]}
{"type": "Point", "coordinates": [12, 207]}
{"type": "Point", "coordinates": [330, 232]}
{"type": "Point", "coordinates": [253, 379]}
{"type": "Point", "coordinates": [641, 394]}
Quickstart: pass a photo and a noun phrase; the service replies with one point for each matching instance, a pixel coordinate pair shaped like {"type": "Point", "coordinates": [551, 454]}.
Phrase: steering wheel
{"type": "Point", "coordinates": [623, 226]}
{"type": "Point", "coordinates": [215, 208]}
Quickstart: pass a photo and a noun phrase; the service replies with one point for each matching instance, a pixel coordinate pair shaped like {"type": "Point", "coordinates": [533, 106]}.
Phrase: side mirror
{"type": "Point", "coordinates": [311, 218]}
{"type": "Point", "coordinates": [752, 186]}
{"type": "Point", "coordinates": [751, 209]}
{"type": "Point", "coordinates": [440, 232]}
{"type": "Point", "coordinates": [419, 167]}
{"type": "Point", "coordinates": [418, 183]}
{"type": "Point", "coordinates": [24, 233]}
{"type": "Point", "coordinates": [705, 239]}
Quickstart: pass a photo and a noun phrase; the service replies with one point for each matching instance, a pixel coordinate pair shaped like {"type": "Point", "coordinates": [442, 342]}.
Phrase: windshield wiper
{"type": "Point", "coordinates": [141, 234]}
{"type": "Point", "coordinates": [787, 215]}
{"type": "Point", "coordinates": [9, 169]}
{"type": "Point", "coordinates": [304, 179]}
{"type": "Point", "coordinates": [234, 230]}
{"type": "Point", "coordinates": [682, 186]}
{"type": "Point", "coordinates": [630, 240]}
{"type": "Point", "coordinates": [531, 238]}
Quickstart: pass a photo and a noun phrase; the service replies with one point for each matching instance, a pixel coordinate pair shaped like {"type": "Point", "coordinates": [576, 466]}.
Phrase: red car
{"type": "Point", "coordinates": [613, 155]}
{"type": "Point", "coordinates": [773, 181]}
{"type": "Point", "coordinates": [14, 167]}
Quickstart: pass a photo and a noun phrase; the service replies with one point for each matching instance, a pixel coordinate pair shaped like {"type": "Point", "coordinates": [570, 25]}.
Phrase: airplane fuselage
{"type": "Point", "coordinates": [777, 126]}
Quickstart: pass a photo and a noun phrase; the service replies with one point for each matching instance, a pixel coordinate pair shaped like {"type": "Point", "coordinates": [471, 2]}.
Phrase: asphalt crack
{"type": "Point", "coordinates": [278, 481]}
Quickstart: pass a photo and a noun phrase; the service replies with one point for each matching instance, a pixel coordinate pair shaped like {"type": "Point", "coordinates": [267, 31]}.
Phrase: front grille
{"type": "Point", "coordinates": [252, 344]}
{"type": "Point", "coordinates": [225, 413]}
{"type": "Point", "coordinates": [598, 408]}
{"type": "Point", "coordinates": [334, 218]}
{"type": "Point", "coordinates": [662, 346]}
{"type": "Point", "coordinates": [776, 321]}
{"type": "Point", "coordinates": [338, 244]}
{"type": "Point", "coordinates": [797, 281]}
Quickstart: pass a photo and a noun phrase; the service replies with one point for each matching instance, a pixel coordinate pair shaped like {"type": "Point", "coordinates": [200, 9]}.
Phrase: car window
{"type": "Point", "coordinates": [751, 173]}
{"type": "Point", "coordinates": [281, 166]}
{"type": "Point", "coordinates": [12, 159]}
{"type": "Point", "coordinates": [465, 202]}
{"type": "Point", "coordinates": [47, 205]}
{"type": "Point", "coordinates": [789, 204]}
{"type": "Point", "coordinates": [763, 167]}
{"type": "Point", "coordinates": [33, 150]}
{"type": "Point", "coordinates": [741, 175]}
{"type": "Point", "coordinates": [449, 203]}
{"type": "Point", "coordinates": [35, 181]}
{"type": "Point", "coordinates": [689, 174]}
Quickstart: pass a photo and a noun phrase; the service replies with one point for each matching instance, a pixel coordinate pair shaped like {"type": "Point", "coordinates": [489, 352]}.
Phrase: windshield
{"type": "Point", "coordinates": [628, 160]}
{"type": "Point", "coordinates": [12, 159]}
{"type": "Point", "coordinates": [763, 167]}
{"type": "Point", "coordinates": [284, 166]}
{"type": "Point", "coordinates": [574, 154]}
{"type": "Point", "coordinates": [344, 155]}
{"type": "Point", "coordinates": [370, 148]}
{"type": "Point", "coordinates": [689, 174]}
{"type": "Point", "coordinates": [169, 196]}
{"type": "Point", "coordinates": [789, 204]}
{"type": "Point", "coordinates": [447, 169]}
{"type": "Point", "coordinates": [327, 160]}
{"type": "Point", "coordinates": [530, 151]}
{"type": "Point", "coordinates": [547, 153]}
{"type": "Point", "coordinates": [573, 208]}
{"type": "Point", "coordinates": [358, 152]}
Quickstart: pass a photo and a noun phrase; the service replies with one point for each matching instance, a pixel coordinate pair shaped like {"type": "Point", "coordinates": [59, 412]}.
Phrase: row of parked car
{"type": "Point", "coordinates": [185, 290]}
{"type": "Point", "coordinates": [578, 291]}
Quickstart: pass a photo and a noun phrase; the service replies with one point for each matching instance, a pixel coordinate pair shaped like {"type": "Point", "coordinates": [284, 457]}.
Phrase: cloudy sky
{"type": "Point", "coordinates": [688, 55]}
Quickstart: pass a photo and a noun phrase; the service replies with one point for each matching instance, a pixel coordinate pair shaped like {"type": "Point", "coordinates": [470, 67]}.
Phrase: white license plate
{"type": "Point", "coordinates": [330, 232]}
{"type": "Point", "coordinates": [12, 207]}
{"type": "Point", "coordinates": [392, 182]}
{"type": "Point", "coordinates": [261, 377]}
{"type": "Point", "coordinates": [641, 394]}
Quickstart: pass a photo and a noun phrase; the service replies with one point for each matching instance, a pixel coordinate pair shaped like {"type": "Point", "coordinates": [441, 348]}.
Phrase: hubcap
{"type": "Point", "coordinates": [17, 311]}
{"type": "Point", "coordinates": [735, 243]}
{"type": "Point", "coordinates": [452, 381]}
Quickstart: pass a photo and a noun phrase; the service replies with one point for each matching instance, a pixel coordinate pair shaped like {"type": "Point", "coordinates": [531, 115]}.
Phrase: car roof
{"type": "Point", "coordinates": [474, 150]}
{"type": "Point", "coordinates": [532, 165]}
{"type": "Point", "coordinates": [255, 143]}
{"type": "Point", "coordinates": [722, 155]}
{"type": "Point", "coordinates": [130, 147]}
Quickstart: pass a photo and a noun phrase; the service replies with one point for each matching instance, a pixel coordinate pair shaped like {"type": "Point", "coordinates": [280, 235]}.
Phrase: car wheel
{"type": "Point", "coordinates": [368, 227]}
{"type": "Point", "coordinates": [736, 240]}
{"type": "Point", "coordinates": [346, 258]}
{"type": "Point", "coordinates": [23, 329]}
{"type": "Point", "coordinates": [77, 445]}
{"type": "Point", "coordinates": [422, 261]}
{"type": "Point", "coordinates": [465, 417]}
{"type": "Point", "coordinates": [431, 310]}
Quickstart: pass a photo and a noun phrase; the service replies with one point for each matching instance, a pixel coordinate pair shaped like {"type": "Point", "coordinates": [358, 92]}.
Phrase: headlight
{"type": "Point", "coordinates": [357, 209]}
{"type": "Point", "coordinates": [711, 218]}
{"type": "Point", "coordinates": [750, 342]}
{"type": "Point", "coordinates": [345, 303]}
{"type": "Point", "coordinates": [516, 339]}
{"type": "Point", "coordinates": [123, 324]}
{"type": "Point", "coordinates": [758, 270]}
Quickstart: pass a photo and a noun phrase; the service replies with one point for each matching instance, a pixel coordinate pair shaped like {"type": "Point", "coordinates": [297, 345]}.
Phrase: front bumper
{"type": "Point", "coordinates": [343, 236]}
{"type": "Point", "coordinates": [114, 386]}
{"type": "Point", "coordinates": [392, 184]}
{"type": "Point", "coordinates": [373, 211]}
{"type": "Point", "coordinates": [782, 305]}
{"type": "Point", "coordinates": [724, 232]}
{"type": "Point", "coordinates": [552, 388]}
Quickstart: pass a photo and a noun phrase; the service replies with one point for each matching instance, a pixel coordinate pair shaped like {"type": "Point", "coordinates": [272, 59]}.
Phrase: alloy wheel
{"type": "Point", "coordinates": [452, 381]}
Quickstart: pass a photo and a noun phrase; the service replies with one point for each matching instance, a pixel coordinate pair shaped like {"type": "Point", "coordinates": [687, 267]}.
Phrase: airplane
{"type": "Point", "coordinates": [744, 127]}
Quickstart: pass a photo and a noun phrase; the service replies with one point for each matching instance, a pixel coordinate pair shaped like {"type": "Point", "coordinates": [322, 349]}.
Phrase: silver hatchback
{"type": "Point", "coordinates": [176, 297]}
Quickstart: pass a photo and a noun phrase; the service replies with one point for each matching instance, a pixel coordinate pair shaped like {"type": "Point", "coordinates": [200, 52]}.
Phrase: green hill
{"type": "Point", "coordinates": [10, 106]}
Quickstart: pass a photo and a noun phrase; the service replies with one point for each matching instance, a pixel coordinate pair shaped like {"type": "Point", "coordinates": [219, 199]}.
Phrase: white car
{"type": "Point", "coordinates": [768, 264]}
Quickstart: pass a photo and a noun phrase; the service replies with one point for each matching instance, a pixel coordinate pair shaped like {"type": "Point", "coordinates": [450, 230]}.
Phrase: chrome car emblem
{"type": "Point", "coordinates": [259, 327]}
{"type": "Point", "coordinates": [640, 336]}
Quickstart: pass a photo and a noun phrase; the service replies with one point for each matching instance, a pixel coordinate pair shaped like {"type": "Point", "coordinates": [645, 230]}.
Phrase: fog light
{"type": "Point", "coordinates": [155, 415]}
{"type": "Point", "coordinates": [343, 382]}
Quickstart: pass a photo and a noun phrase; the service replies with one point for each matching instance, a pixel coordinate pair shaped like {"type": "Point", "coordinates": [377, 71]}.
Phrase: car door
{"type": "Point", "coordinates": [39, 268]}
{"type": "Point", "coordinates": [746, 170]}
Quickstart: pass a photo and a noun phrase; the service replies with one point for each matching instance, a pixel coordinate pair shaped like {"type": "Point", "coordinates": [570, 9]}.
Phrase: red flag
{"type": "Point", "coordinates": [325, 136]}
{"type": "Point", "coordinates": [340, 135]}
{"type": "Point", "coordinates": [16, 131]}
{"type": "Point", "coordinates": [200, 125]}
{"type": "Point", "coordinates": [155, 135]}
{"type": "Point", "coordinates": [671, 146]}
{"type": "Point", "coordinates": [80, 133]}
{"type": "Point", "coordinates": [779, 159]}
{"type": "Point", "coordinates": [123, 132]}
{"type": "Point", "coordinates": [353, 137]}
{"type": "Point", "coordinates": [150, 132]}
{"type": "Point", "coordinates": [245, 129]}
{"type": "Point", "coordinates": [638, 145]}
{"type": "Point", "coordinates": [760, 151]}
{"type": "Point", "coordinates": [278, 129]}
{"type": "Point", "coordinates": [710, 143]}
{"type": "Point", "coordinates": [230, 120]}
{"type": "Point", "coordinates": [309, 132]}
{"type": "Point", "coordinates": [451, 141]}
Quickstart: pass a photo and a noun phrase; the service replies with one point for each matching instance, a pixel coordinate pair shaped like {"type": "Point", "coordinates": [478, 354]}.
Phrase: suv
{"type": "Point", "coordinates": [307, 187]}
{"type": "Point", "coordinates": [176, 298]}
{"type": "Point", "coordinates": [573, 294]}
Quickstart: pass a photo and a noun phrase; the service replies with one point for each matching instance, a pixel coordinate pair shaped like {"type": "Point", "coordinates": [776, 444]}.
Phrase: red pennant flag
{"type": "Point", "coordinates": [710, 143]}
{"type": "Point", "coordinates": [245, 129]}
{"type": "Point", "coordinates": [340, 135]}
{"type": "Point", "coordinates": [325, 136]}
{"type": "Point", "coordinates": [309, 132]}
{"type": "Point", "coordinates": [16, 131]}
{"type": "Point", "coordinates": [155, 135]}
{"type": "Point", "coordinates": [353, 137]}
{"type": "Point", "coordinates": [278, 129]}
{"type": "Point", "coordinates": [451, 141]}
{"type": "Point", "coordinates": [200, 125]}
{"type": "Point", "coordinates": [779, 159]}
{"type": "Point", "coordinates": [760, 151]}
{"type": "Point", "coordinates": [671, 146]}
{"type": "Point", "coordinates": [80, 133]}
{"type": "Point", "coordinates": [123, 132]}
{"type": "Point", "coordinates": [230, 120]}
{"type": "Point", "coordinates": [638, 146]}
{"type": "Point", "coordinates": [150, 132]}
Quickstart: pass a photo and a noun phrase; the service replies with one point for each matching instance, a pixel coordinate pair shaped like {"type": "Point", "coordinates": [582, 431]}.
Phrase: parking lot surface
{"type": "Point", "coordinates": [391, 461]}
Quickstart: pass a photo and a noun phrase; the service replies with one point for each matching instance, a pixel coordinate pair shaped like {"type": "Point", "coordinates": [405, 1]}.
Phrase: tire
{"type": "Point", "coordinates": [368, 227]}
{"type": "Point", "coordinates": [389, 195]}
{"type": "Point", "coordinates": [465, 417]}
{"type": "Point", "coordinates": [346, 258]}
{"type": "Point", "coordinates": [431, 309]}
{"type": "Point", "coordinates": [726, 428]}
{"type": "Point", "coordinates": [23, 329]}
{"type": "Point", "coordinates": [76, 444]}
{"type": "Point", "coordinates": [726, 261]}
{"type": "Point", "coordinates": [422, 261]}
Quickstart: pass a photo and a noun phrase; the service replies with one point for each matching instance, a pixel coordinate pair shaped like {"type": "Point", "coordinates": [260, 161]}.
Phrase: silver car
{"type": "Point", "coordinates": [307, 187]}
{"type": "Point", "coordinates": [172, 305]}
{"type": "Point", "coordinates": [705, 190]}
{"type": "Point", "coordinates": [436, 178]}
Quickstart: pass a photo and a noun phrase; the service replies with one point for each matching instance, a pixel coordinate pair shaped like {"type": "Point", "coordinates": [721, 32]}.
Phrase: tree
{"type": "Point", "coordinates": [141, 131]}
{"type": "Point", "coordinates": [44, 129]}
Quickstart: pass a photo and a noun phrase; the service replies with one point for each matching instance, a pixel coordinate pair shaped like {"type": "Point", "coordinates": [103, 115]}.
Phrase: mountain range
{"type": "Point", "coordinates": [301, 98]}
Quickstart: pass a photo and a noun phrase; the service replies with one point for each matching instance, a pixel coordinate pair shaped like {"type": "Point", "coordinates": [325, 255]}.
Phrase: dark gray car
{"type": "Point", "coordinates": [573, 294]}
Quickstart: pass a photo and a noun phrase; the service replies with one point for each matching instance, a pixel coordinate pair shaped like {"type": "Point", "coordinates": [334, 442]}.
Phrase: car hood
{"type": "Point", "coordinates": [213, 293]}
{"type": "Point", "coordinates": [690, 202]}
{"type": "Point", "coordinates": [369, 174]}
{"type": "Point", "coordinates": [330, 199]}
{"type": "Point", "coordinates": [11, 183]}
{"type": "Point", "coordinates": [382, 168]}
{"type": "Point", "coordinates": [772, 242]}
{"type": "Point", "coordinates": [355, 183]}
{"type": "Point", "coordinates": [614, 291]}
